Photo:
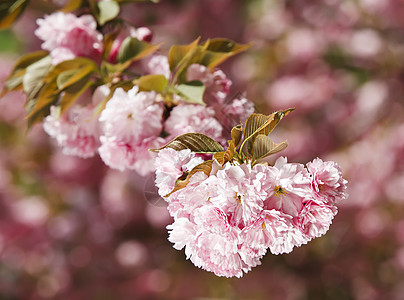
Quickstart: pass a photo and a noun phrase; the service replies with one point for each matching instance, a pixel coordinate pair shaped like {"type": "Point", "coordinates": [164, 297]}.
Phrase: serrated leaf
{"type": "Point", "coordinates": [236, 135]}
{"type": "Point", "coordinates": [191, 92]}
{"type": "Point", "coordinates": [132, 49]}
{"type": "Point", "coordinates": [10, 10]}
{"type": "Point", "coordinates": [196, 142]}
{"type": "Point", "coordinates": [72, 5]}
{"type": "Point", "coordinates": [225, 156]}
{"type": "Point", "coordinates": [107, 10]}
{"type": "Point", "coordinates": [263, 146]}
{"type": "Point", "coordinates": [153, 82]}
{"type": "Point", "coordinates": [205, 167]}
{"type": "Point", "coordinates": [261, 124]}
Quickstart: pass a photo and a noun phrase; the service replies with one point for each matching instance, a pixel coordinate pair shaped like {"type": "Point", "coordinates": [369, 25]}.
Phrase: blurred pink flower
{"type": "Point", "coordinates": [185, 118]}
{"type": "Point", "coordinates": [76, 131]}
{"type": "Point", "coordinates": [216, 83]}
{"type": "Point", "coordinates": [67, 36]}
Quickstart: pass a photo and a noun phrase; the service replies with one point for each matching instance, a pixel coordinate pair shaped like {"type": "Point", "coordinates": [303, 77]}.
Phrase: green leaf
{"type": "Point", "coordinates": [217, 51]}
{"type": "Point", "coordinates": [34, 76]}
{"type": "Point", "coordinates": [10, 10]}
{"type": "Point", "coordinates": [196, 142]}
{"type": "Point", "coordinates": [205, 167]}
{"type": "Point", "coordinates": [50, 89]}
{"type": "Point", "coordinates": [180, 54]}
{"type": "Point", "coordinates": [72, 5]}
{"type": "Point", "coordinates": [132, 49]}
{"type": "Point", "coordinates": [73, 92]}
{"type": "Point", "coordinates": [263, 146]}
{"type": "Point", "coordinates": [191, 92]}
{"type": "Point", "coordinates": [70, 77]}
{"type": "Point", "coordinates": [108, 10]}
{"type": "Point", "coordinates": [153, 82]}
{"type": "Point", "coordinates": [14, 80]}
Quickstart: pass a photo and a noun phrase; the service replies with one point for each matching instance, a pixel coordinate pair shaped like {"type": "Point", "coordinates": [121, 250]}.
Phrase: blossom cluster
{"type": "Point", "coordinates": [227, 220]}
{"type": "Point", "coordinates": [133, 120]}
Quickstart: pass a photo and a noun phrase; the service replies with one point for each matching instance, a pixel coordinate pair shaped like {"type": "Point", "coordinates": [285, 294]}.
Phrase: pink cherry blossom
{"type": "Point", "coordinates": [131, 123]}
{"type": "Point", "coordinates": [291, 187]}
{"type": "Point", "coordinates": [132, 115]}
{"type": "Point", "coordinates": [170, 165]}
{"type": "Point", "coordinates": [76, 131]}
{"type": "Point", "coordinates": [122, 155]}
{"type": "Point", "coordinates": [67, 36]}
{"type": "Point", "coordinates": [186, 118]}
{"type": "Point", "coordinates": [315, 218]}
{"type": "Point", "coordinates": [157, 64]}
{"type": "Point", "coordinates": [327, 181]}
{"type": "Point", "coordinates": [216, 83]}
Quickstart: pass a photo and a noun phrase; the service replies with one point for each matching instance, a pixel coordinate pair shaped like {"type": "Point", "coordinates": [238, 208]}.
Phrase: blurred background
{"type": "Point", "coordinates": [72, 228]}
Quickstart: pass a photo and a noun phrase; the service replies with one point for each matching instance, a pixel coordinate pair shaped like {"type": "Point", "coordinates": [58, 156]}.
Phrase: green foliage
{"type": "Point", "coordinates": [10, 10]}
{"type": "Point", "coordinates": [45, 84]}
{"type": "Point", "coordinates": [153, 82]}
{"type": "Point", "coordinates": [191, 92]}
{"type": "Point", "coordinates": [107, 11]}
{"type": "Point", "coordinates": [210, 54]}
{"type": "Point", "coordinates": [133, 49]}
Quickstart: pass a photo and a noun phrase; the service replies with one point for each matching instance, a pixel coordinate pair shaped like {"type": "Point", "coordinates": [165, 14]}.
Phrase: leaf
{"type": "Point", "coordinates": [132, 49]}
{"type": "Point", "coordinates": [178, 54]}
{"type": "Point", "coordinates": [71, 94]}
{"type": "Point", "coordinates": [72, 5]}
{"type": "Point", "coordinates": [34, 76]}
{"type": "Point", "coordinates": [261, 124]}
{"type": "Point", "coordinates": [196, 142]}
{"type": "Point", "coordinates": [108, 10]}
{"type": "Point", "coordinates": [205, 167]}
{"type": "Point", "coordinates": [236, 135]}
{"type": "Point", "coordinates": [50, 91]}
{"type": "Point", "coordinates": [14, 80]}
{"type": "Point", "coordinates": [70, 77]}
{"type": "Point", "coordinates": [191, 92]}
{"type": "Point", "coordinates": [217, 51]}
{"type": "Point", "coordinates": [263, 146]}
{"type": "Point", "coordinates": [153, 82]}
{"type": "Point", "coordinates": [10, 10]}
{"type": "Point", "coordinates": [224, 157]}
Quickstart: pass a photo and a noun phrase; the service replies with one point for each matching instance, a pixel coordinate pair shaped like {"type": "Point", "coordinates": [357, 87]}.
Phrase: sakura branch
{"type": "Point", "coordinates": [228, 211]}
{"type": "Point", "coordinates": [101, 87]}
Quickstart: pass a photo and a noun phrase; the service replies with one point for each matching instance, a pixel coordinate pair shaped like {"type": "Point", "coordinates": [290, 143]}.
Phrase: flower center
{"type": "Point", "coordinates": [280, 191]}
